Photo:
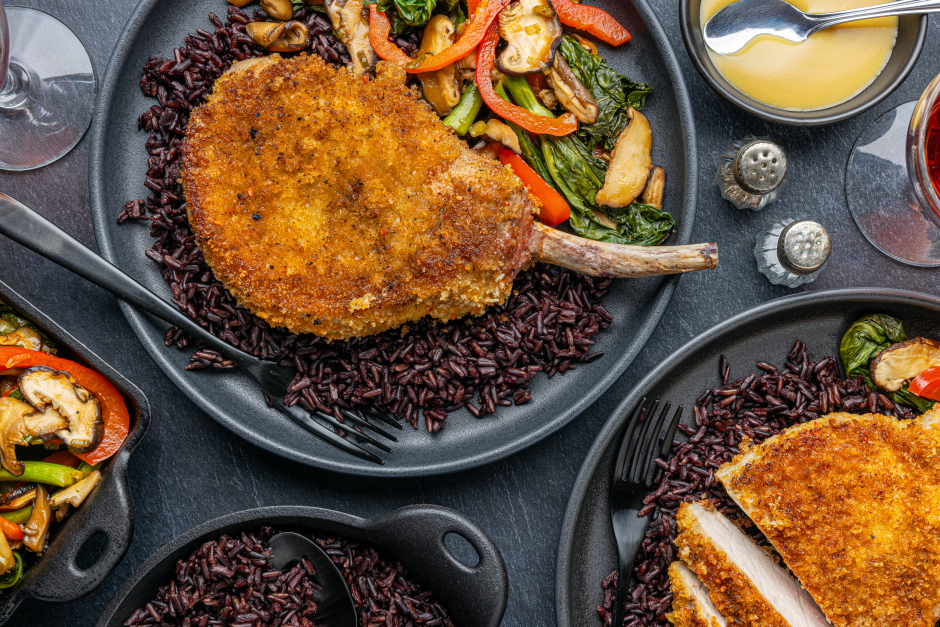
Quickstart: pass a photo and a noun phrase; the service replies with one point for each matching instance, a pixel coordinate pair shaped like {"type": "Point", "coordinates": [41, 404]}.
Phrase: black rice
{"type": "Point", "coordinates": [753, 408]}
{"type": "Point", "coordinates": [230, 581]}
{"type": "Point", "coordinates": [430, 370]}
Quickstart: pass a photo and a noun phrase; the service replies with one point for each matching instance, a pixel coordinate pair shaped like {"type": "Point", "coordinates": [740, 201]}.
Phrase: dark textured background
{"type": "Point", "coordinates": [189, 470]}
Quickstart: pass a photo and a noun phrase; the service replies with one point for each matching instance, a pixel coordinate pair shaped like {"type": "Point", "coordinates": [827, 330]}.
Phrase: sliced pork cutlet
{"type": "Point", "coordinates": [852, 504]}
{"type": "Point", "coordinates": [691, 605]}
{"type": "Point", "coordinates": [747, 587]}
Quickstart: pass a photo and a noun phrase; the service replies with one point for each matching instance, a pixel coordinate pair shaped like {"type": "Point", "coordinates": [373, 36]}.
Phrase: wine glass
{"type": "Point", "coordinates": [47, 89]}
{"type": "Point", "coordinates": [892, 178]}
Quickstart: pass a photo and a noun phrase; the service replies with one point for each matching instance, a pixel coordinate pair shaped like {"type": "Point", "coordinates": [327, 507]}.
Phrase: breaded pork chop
{"type": "Point", "coordinates": [852, 504]}
{"type": "Point", "coordinates": [691, 605]}
{"type": "Point", "coordinates": [333, 204]}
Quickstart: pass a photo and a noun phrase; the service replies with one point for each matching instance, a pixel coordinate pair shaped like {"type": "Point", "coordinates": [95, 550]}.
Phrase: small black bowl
{"type": "Point", "coordinates": [912, 31]}
{"type": "Point", "coordinates": [108, 510]}
{"type": "Point", "coordinates": [414, 535]}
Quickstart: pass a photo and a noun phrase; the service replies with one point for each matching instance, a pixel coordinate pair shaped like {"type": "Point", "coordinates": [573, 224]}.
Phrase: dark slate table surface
{"type": "Point", "coordinates": [189, 470]}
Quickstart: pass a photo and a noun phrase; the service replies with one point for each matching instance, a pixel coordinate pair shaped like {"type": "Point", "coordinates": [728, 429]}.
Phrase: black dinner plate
{"type": "Point", "coordinates": [586, 550]}
{"type": "Point", "coordinates": [118, 167]}
{"type": "Point", "coordinates": [475, 596]}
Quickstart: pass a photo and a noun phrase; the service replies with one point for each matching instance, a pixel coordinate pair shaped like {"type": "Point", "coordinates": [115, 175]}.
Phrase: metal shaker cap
{"type": "Point", "coordinates": [760, 167]}
{"type": "Point", "coordinates": [804, 247]}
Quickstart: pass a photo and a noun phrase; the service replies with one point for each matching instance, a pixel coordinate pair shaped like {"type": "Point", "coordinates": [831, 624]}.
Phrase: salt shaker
{"type": "Point", "coordinates": [752, 172]}
{"type": "Point", "coordinates": [792, 252]}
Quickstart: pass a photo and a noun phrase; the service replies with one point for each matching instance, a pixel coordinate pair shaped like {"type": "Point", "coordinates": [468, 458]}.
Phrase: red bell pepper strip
{"type": "Point", "coordinates": [554, 208]}
{"type": "Point", "coordinates": [113, 410]}
{"type": "Point", "coordinates": [927, 384]}
{"type": "Point", "coordinates": [591, 20]}
{"type": "Point", "coordinates": [540, 125]}
{"type": "Point", "coordinates": [379, 28]}
{"type": "Point", "coordinates": [11, 530]}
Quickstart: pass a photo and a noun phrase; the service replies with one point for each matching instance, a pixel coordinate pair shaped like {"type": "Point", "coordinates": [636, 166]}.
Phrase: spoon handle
{"type": "Point", "coordinates": [889, 9]}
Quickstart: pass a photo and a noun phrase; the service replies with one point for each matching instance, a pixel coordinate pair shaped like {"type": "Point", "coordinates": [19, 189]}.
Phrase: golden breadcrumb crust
{"type": "Point", "coordinates": [685, 610]}
{"type": "Point", "coordinates": [852, 503]}
{"type": "Point", "coordinates": [341, 206]}
{"type": "Point", "coordinates": [730, 590]}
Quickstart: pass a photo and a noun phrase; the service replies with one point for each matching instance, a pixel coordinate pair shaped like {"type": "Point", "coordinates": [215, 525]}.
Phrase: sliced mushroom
{"type": "Point", "coordinates": [239, 3]}
{"type": "Point", "coordinates": [572, 95]}
{"type": "Point", "coordinates": [655, 188]}
{"type": "Point", "coordinates": [280, 37]}
{"type": "Point", "coordinates": [532, 32]}
{"type": "Point", "coordinates": [44, 388]}
{"type": "Point", "coordinates": [587, 44]}
{"type": "Point", "coordinates": [500, 132]}
{"type": "Point", "coordinates": [7, 560]}
{"type": "Point", "coordinates": [278, 9]}
{"type": "Point", "coordinates": [901, 362]}
{"type": "Point", "coordinates": [468, 65]}
{"type": "Point", "coordinates": [18, 497]}
{"type": "Point", "coordinates": [19, 420]}
{"type": "Point", "coordinates": [488, 149]}
{"type": "Point", "coordinates": [62, 512]}
{"type": "Point", "coordinates": [36, 529]}
{"type": "Point", "coordinates": [264, 33]}
{"type": "Point", "coordinates": [76, 493]}
{"type": "Point", "coordinates": [350, 18]}
{"type": "Point", "coordinates": [441, 88]}
{"type": "Point", "coordinates": [24, 337]}
{"type": "Point", "coordinates": [630, 164]}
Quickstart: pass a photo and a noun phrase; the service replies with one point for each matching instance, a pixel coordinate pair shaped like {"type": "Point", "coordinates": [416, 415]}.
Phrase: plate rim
{"type": "Point", "coordinates": [595, 454]}
{"type": "Point", "coordinates": [156, 349]}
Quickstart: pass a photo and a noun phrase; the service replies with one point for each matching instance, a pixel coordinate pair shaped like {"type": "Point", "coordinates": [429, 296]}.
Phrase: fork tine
{"type": "Point", "coordinates": [638, 451]}
{"type": "Point", "coordinates": [651, 451]}
{"type": "Point", "coordinates": [381, 415]}
{"type": "Point", "coordinates": [301, 417]}
{"type": "Point", "coordinates": [352, 417]}
{"type": "Point", "coordinates": [671, 435]}
{"type": "Point", "coordinates": [359, 434]}
{"type": "Point", "coordinates": [620, 464]}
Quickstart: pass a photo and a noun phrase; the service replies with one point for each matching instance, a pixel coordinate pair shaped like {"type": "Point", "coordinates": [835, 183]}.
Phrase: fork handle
{"type": "Point", "coordinates": [24, 226]}
{"type": "Point", "coordinates": [889, 9]}
{"type": "Point", "coordinates": [632, 531]}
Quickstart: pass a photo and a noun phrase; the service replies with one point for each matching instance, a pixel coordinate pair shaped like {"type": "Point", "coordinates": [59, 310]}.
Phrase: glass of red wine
{"type": "Point", "coordinates": [892, 181]}
{"type": "Point", "coordinates": [47, 89]}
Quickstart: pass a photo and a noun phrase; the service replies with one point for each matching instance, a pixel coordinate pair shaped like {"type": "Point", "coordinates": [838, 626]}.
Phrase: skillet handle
{"type": "Point", "coordinates": [476, 596]}
{"type": "Point", "coordinates": [111, 513]}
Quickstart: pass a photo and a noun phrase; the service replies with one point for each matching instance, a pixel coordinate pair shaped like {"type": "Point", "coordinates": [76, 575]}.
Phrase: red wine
{"type": "Point", "coordinates": [932, 147]}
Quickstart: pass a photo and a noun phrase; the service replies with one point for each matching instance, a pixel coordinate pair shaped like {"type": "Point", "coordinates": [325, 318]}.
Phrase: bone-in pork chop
{"type": "Point", "coordinates": [852, 504]}
{"type": "Point", "coordinates": [332, 204]}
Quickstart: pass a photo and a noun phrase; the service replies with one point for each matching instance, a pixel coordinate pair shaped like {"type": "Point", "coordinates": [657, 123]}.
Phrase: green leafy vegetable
{"type": "Point", "coordinates": [405, 16]}
{"type": "Point", "coordinates": [862, 343]}
{"type": "Point", "coordinates": [578, 175]}
{"type": "Point", "coordinates": [300, 4]}
{"type": "Point", "coordinates": [9, 578]}
{"type": "Point", "coordinates": [613, 92]}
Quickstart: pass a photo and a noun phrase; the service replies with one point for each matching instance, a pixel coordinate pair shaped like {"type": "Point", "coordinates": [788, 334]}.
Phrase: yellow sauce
{"type": "Point", "coordinates": [827, 69]}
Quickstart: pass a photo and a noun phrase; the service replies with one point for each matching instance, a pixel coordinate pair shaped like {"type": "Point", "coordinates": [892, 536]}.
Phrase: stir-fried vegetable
{"type": "Point", "coordinates": [927, 384]}
{"type": "Point", "coordinates": [44, 472]}
{"type": "Point", "coordinates": [466, 111]}
{"type": "Point", "coordinates": [864, 341]}
{"type": "Point", "coordinates": [554, 208]}
{"type": "Point", "coordinates": [591, 20]}
{"type": "Point", "coordinates": [13, 575]}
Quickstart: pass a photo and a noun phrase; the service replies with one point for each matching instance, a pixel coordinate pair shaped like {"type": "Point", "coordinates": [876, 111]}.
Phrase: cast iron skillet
{"type": "Point", "coordinates": [586, 550]}
{"type": "Point", "coordinates": [109, 509]}
{"type": "Point", "coordinates": [912, 31]}
{"type": "Point", "coordinates": [414, 535]}
{"type": "Point", "coordinates": [118, 167]}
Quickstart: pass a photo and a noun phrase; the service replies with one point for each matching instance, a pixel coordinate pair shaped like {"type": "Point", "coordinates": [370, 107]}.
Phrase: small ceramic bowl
{"type": "Point", "coordinates": [912, 31]}
{"type": "Point", "coordinates": [475, 596]}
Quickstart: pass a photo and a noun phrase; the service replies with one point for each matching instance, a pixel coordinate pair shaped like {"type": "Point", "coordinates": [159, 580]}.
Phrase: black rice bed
{"type": "Point", "coordinates": [231, 582]}
{"type": "Point", "coordinates": [547, 325]}
{"type": "Point", "coordinates": [757, 407]}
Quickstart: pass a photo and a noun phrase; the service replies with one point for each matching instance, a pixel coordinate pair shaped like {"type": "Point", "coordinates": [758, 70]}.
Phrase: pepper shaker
{"type": "Point", "coordinates": [792, 252]}
{"type": "Point", "coordinates": [752, 172]}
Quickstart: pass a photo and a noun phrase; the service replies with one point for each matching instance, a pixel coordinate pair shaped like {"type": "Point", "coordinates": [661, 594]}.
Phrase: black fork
{"type": "Point", "coordinates": [25, 226]}
{"type": "Point", "coordinates": [632, 480]}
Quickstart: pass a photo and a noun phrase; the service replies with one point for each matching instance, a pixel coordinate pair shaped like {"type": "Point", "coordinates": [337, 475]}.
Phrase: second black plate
{"type": "Point", "coordinates": [586, 550]}
{"type": "Point", "coordinates": [118, 168]}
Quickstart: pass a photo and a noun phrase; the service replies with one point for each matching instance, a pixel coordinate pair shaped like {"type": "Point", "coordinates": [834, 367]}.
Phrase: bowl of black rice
{"type": "Point", "coordinates": [401, 569]}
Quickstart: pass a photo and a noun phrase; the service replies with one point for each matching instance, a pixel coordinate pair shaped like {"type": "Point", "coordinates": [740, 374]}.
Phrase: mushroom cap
{"type": "Point", "coordinates": [901, 362]}
{"type": "Point", "coordinates": [43, 387]}
{"type": "Point", "coordinates": [533, 33]}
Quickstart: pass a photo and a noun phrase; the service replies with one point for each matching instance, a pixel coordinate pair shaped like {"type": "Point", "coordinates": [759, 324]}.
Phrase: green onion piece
{"type": "Point", "coordinates": [522, 93]}
{"type": "Point", "coordinates": [478, 128]}
{"type": "Point", "coordinates": [86, 467]}
{"type": "Point", "coordinates": [463, 115]}
{"type": "Point", "coordinates": [44, 472]}
{"type": "Point", "coordinates": [9, 578]}
{"type": "Point", "coordinates": [18, 516]}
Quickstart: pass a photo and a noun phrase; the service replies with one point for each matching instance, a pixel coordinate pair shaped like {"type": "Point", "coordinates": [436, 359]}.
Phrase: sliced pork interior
{"type": "Point", "coordinates": [745, 584]}
{"type": "Point", "coordinates": [852, 504]}
{"type": "Point", "coordinates": [691, 605]}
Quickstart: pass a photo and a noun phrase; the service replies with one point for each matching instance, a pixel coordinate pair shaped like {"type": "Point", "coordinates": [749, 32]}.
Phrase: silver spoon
{"type": "Point", "coordinates": [729, 30]}
{"type": "Point", "coordinates": [335, 606]}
